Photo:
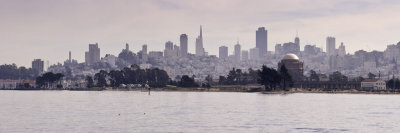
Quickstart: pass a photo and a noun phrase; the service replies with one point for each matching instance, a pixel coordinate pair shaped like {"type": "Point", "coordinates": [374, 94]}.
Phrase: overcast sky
{"type": "Point", "coordinates": [48, 29]}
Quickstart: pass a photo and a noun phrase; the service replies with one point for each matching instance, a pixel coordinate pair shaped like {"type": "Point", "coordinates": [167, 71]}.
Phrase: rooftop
{"type": "Point", "coordinates": [290, 57]}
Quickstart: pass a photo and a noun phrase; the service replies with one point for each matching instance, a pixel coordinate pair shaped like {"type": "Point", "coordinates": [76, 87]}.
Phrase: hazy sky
{"type": "Point", "coordinates": [48, 29]}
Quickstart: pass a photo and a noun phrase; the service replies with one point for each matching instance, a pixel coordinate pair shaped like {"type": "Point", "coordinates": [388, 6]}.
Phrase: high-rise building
{"type": "Point", "coordinates": [223, 52]}
{"type": "Point", "coordinates": [237, 52]}
{"type": "Point", "coordinates": [169, 47]}
{"type": "Point", "coordinates": [342, 50]}
{"type": "Point", "coordinates": [278, 49]}
{"type": "Point", "coordinates": [144, 53]}
{"type": "Point", "coordinates": [171, 50]}
{"type": "Point", "coordinates": [183, 45]}
{"type": "Point", "coordinates": [290, 47]}
{"type": "Point", "coordinates": [297, 42]}
{"type": "Point", "coordinates": [70, 59]}
{"type": "Point", "coordinates": [330, 46]}
{"type": "Point", "coordinates": [311, 50]}
{"type": "Point", "coordinates": [199, 44]}
{"type": "Point", "coordinates": [93, 55]}
{"type": "Point", "coordinates": [254, 53]}
{"type": "Point", "coordinates": [177, 50]}
{"type": "Point", "coordinates": [155, 54]}
{"type": "Point", "coordinates": [127, 46]}
{"type": "Point", "coordinates": [38, 66]}
{"type": "Point", "coordinates": [245, 55]}
{"type": "Point", "coordinates": [262, 41]}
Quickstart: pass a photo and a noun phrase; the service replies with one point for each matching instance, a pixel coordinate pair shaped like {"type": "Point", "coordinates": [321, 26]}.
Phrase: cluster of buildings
{"type": "Point", "coordinates": [177, 61]}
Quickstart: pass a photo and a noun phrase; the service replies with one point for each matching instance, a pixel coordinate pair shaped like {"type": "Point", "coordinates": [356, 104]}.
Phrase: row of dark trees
{"type": "Point", "coordinates": [185, 81]}
{"type": "Point", "coordinates": [269, 77]}
{"type": "Point", "coordinates": [393, 84]}
{"type": "Point", "coordinates": [272, 79]}
{"type": "Point", "coordinates": [49, 80]}
{"type": "Point", "coordinates": [129, 75]}
{"type": "Point", "coordinates": [238, 77]}
{"type": "Point", "coordinates": [11, 71]}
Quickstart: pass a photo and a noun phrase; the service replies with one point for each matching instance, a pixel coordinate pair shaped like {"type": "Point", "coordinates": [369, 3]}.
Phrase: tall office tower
{"type": "Point", "coordinates": [169, 47]}
{"type": "Point", "coordinates": [184, 45]}
{"type": "Point", "coordinates": [245, 55]}
{"type": "Point", "coordinates": [38, 66]}
{"type": "Point", "coordinates": [144, 53]}
{"type": "Point", "coordinates": [199, 44]}
{"type": "Point", "coordinates": [237, 52]}
{"type": "Point", "coordinates": [177, 51]}
{"type": "Point", "coordinates": [342, 50]}
{"type": "Point", "coordinates": [330, 46]}
{"type": "Point", "coordinates": [127, 47]}
{"type": "Point", "coordinates": [223, 52]}
{"type": "Point", "coordinates": [278, 49]}
{"type": "Point", "coordinates": [254, 53]}
{"type": "Point", "coordinates": [262, 41]}
{"type": "Point", "coordinates": [297, 42]}
{"type": "Point", "coordinates": [93, 55]}
{"type": "Point", "coordinates": [70, 59]}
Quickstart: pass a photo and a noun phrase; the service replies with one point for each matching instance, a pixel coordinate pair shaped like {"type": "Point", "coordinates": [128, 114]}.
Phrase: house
{"type": "Point", "coordinates": [373, 84]}
{"type": "Point", "coordinates": [8, 84]}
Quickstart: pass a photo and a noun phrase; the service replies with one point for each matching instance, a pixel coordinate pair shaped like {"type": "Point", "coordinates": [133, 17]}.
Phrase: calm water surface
{"type": "Point", "coordinates": [132, 111]}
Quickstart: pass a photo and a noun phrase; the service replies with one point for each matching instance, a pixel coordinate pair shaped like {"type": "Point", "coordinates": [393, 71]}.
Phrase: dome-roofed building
{"type": "Point", "coordinates": [293, 65]}
{"type": "Point", "coordinates": [290, 57]}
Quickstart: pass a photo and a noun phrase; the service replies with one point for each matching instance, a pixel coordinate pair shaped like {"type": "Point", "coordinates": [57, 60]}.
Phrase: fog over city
{"type": "Point", "coordinates": [48, 29]}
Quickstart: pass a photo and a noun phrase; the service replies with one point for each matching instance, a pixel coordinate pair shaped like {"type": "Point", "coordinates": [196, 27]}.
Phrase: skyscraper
{"type": "Point", "coordinates": [183, 45]}
{"type": "Point", "coordinates": [70, 59]}
{"type": "Point", "coordinates": [223, 52]}
{"type": "Point", "coordinates": [144, 49]}
{"type": "Point", "coordinates": [169, 47]}
{"type": "Point", "coordinates": [330, 46]}
{"type": "Point", "coordinates": [297, 42]}
{"type": "Point", "coordinates": [262, 41]}
{"type": "Point", "coordinates": [93, 55]}
{"type": "Point", "coordinates": [171, 50]}
{"type": "Point", "coordinates": [199, 44]}
{"type": "Point", "coordinates": [342, 50]}
{"type": "Point", "coordinates": [237, 52]}
{"type": "Point", "coordinates": [245, 55]}
{"type": "Point", "coordinates": [38, 66]}
{"type": "Point", "coordinates": [144, 53]}
{"type": "Point", "coordinates": [254, 53]}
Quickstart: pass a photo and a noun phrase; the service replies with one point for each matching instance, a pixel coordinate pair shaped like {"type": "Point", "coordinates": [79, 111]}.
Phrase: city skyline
{"type": "Point", "coordinates": [40, 31]}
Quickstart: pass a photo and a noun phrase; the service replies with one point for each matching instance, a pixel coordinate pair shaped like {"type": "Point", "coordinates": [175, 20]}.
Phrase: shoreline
{"type": "Point", "coordinates": [224, 89]}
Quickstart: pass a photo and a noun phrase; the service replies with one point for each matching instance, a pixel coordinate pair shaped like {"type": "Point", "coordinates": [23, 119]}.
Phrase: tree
{"type": "Point", "coordinates": [48, 79]}
{"type": "Point", "coordinates": [129, 56]}
{"type": "Point", "coordinates": [11, 71]}
{"type": "Point", "coordinates": [231, 78]}
{"type": "Point", "coordinates": [133, 75]}
{"type": "Point", "coordinates": [269, 77]}
{"type": "Point", "coordinates": [116, 78]}
{"type": "Point", "coordinates": [186, 81]}
{"type": "Point", "coordinates": [393, 83]}
{"type": "Point", "coordinates": [89, 82]}
{"type": "Point", "coordinates": [222, 80]}
{"type": "Point", "coordinates": [100, 77]}
{"type": "Point", "coordinates": [157, 77]}
{"type": "Point", "coordinates": [314, 76]}
{"type": "Point", "coordinates": [286, 78]}
{"type": "Point", "coordinates": [253, 75]}
{"type": "Point", "coordinates": [337, 77]}
{"type": "Point", "coordinates": [209, 79]}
